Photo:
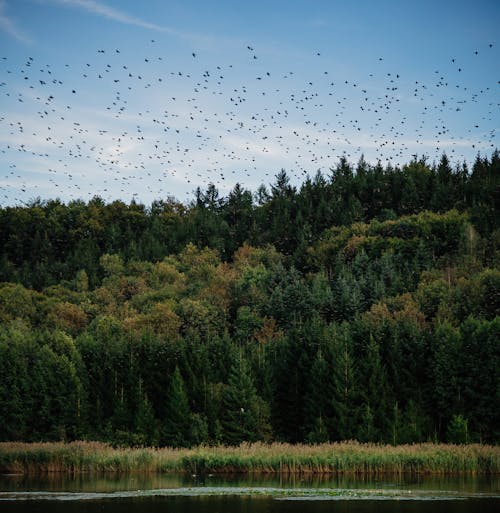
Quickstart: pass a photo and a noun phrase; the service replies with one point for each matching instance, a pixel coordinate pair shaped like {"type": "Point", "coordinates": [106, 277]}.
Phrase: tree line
{"type": "Point", "coordinates": [46, 242]}
{"type": "Point", "coordinates": [364, 305]}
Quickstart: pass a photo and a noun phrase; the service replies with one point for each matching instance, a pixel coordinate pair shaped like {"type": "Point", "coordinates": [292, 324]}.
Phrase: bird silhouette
{"type": "Point", "coordinates": [147, 125]}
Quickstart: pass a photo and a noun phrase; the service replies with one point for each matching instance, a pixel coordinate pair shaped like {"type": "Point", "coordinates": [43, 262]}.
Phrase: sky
{"type": "Point", "coordinates": [148, 100]}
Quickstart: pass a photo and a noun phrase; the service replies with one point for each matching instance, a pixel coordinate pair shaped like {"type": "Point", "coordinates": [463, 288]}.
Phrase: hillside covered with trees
{"type": "Point", "coordinates": [362, 305]}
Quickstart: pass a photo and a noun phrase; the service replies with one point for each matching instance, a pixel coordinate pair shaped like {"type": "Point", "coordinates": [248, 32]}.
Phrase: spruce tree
{"type": "Point", "coordinates": [376, 393]}
{"type": "Point", "coordinates": [175, 429]}
{"type": "Point", "coordinates": [343, 376]}
{"type": "Point", "coordinates": [245, 415]}
{"type": "Point", "coordinates": [146, 425]}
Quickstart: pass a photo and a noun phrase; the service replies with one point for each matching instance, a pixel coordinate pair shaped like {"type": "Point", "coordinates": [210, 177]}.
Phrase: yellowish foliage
{"type": "Point", "coordinates": [269, 332]}
{"type": "Point", "coordinates": [218, 290]}
{"type": "Point", "coordinates": [68, 317]}
{"type": "Point", "coordinates": [399, 308]}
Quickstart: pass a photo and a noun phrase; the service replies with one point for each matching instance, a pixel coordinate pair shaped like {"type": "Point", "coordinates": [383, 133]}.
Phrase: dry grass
{"type": "Point", "coordinates": [345, 457]}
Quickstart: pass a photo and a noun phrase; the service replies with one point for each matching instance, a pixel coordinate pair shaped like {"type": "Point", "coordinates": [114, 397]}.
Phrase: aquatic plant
{"type": "Point", "coordinates": [345, 457]}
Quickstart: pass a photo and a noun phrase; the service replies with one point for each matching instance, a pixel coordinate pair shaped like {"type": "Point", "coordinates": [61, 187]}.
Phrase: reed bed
{"type": "Point", "coordinates": [341, 458]}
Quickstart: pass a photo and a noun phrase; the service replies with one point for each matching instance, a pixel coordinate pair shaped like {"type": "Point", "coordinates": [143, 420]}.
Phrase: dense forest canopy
{"type": "Point", "coordinates": [361, 305]}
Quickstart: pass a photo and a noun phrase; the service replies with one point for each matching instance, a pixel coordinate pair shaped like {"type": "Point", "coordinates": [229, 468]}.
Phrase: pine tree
{"type": "Point", "coordinates": [376, 392]}
{"type": "Point", "coordinates": [344, 396]}
{"type": "Point", "coordinates": [146, 425]}
{"type": "Point", "coordinates": [366, 430]}
{"type": "Point", "coordinates": [176, 425]}
{"type": "Point", "coordinates": [291, 371]}
{"type": "Point", "coordinates": [445, 357]}
{"type": "Point", "coordinates": [317, 407]}
{"type": "Point", "coordinates": [245, 417]}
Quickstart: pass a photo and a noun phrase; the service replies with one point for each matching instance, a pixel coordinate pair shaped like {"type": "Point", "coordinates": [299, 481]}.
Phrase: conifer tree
{"type": "Point", "coordinates": [377, 406]}
{"type": "Point", "coordinates": [146, 425]}
{"type": "Point", "coordinates": [245, 417]}
{"type": "Point", "coordinates": [175, 429]}
{"type": "Point", "coordinates": [344, 399]}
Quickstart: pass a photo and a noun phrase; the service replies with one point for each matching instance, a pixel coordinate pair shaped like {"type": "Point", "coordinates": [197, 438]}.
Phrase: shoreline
{"type": "Point", "coordinates": [276, 458]}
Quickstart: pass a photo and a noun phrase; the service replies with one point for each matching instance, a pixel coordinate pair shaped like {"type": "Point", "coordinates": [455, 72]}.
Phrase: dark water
{"type": "Point", "coordinates": [247, 494]}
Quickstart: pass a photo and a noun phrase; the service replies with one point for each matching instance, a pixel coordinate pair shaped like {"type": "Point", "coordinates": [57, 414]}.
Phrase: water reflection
{"type": "Point", "coordinates": [93, 482]}
{"type": "Point", "coordinates": [160, 493]}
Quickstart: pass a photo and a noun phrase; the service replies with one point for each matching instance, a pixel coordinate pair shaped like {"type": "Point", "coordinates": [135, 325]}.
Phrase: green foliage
{"type": "Point", "coordinates": [319, 433]}
{"type": "Point", "coordinates": [146, 425]}
{"type": "Point", "coordinates": [244, 415]}
{"type": "Point", "coordinates": [458, 430]}
{"type": "Point", "coordinates": [367, 429]}
{"type": "Point", "coordinates": [364, 304]}
{"type": "Point", "coordinates": [176, 426]}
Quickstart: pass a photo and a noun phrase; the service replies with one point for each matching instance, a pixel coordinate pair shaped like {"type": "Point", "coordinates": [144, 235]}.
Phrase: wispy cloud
{"type": "Point", "coordinates": [105, 11]}
{"type": "Point", "coordinates": [9, 26]}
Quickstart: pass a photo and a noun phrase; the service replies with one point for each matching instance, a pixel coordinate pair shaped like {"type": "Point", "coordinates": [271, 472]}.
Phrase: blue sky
{"type": "Point", "coordinates": [144, 100]}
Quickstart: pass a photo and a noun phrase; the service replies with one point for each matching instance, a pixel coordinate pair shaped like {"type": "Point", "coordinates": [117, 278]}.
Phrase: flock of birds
{"type": "Point", "coordinates": [108, 127]}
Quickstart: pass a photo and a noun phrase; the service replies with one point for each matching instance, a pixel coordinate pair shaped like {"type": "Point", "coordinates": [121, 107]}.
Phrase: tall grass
{"type": "Point", "coordinates": [345, 457]}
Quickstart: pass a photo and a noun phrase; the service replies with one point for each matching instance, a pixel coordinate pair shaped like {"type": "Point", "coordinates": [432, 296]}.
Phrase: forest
{"type": "Point", "coordinates": [363, 305]}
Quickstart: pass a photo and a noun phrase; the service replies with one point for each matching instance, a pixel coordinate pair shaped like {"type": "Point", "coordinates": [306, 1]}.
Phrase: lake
{"type": "Point", "coordinates": [247, 494]}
